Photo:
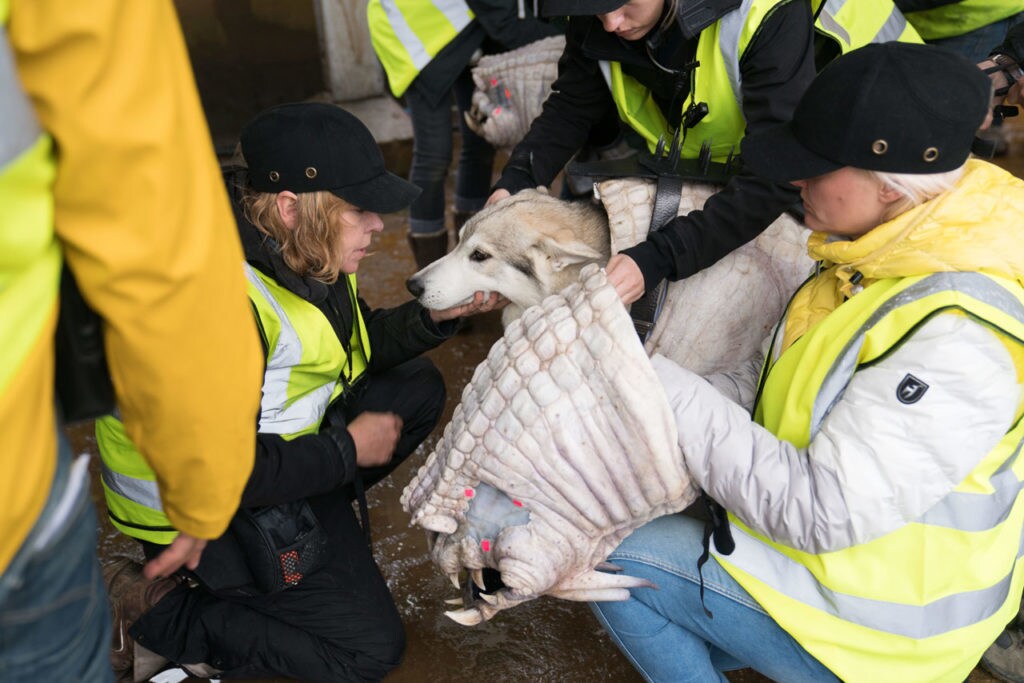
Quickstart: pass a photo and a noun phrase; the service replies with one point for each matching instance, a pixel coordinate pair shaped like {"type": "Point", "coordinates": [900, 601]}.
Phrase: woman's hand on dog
{"type": "Point", "coordinates": [625, 276]}
{"type": "Point", "coordinates": [481, 303]}
{"type": "Point", "coordinates": [497, 196]}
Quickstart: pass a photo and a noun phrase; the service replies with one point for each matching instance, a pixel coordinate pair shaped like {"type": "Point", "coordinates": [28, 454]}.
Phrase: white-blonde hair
{"type": "Point", "coordinates": [915, 188]}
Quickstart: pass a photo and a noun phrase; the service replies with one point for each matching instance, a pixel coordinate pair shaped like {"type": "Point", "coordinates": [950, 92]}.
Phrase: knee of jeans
{"type": "Point", "coordinates": [629, 617]}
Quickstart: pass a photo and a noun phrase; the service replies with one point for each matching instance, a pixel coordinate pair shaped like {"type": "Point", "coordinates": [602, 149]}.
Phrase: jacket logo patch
{"type": "Point", "coordinates": [910, 390]}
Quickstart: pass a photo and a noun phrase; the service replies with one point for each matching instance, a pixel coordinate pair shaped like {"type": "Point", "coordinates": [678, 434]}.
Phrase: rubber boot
{"type": "Point", "coordinates": [428, 247]}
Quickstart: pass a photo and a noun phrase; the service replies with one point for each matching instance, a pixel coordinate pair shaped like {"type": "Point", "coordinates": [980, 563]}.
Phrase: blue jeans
{"type": "Point", "coordinates": [432, 155]}
{"type": "Point", "coordinates": [54, 621]}
{"type": "Point", "coordinates": [977, 44]}
{"type": "Point", "coordinates": [665, 632]}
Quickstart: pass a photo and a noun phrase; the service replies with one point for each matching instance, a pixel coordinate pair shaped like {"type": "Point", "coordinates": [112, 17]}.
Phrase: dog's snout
{"type": "Point", "coordinates": [414, 286]}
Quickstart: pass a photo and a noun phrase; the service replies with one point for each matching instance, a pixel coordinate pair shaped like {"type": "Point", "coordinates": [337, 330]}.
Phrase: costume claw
{"type": "Point", "coordinates": [466, 617]}
{"type": "Point", "coordinates": [608, 567]}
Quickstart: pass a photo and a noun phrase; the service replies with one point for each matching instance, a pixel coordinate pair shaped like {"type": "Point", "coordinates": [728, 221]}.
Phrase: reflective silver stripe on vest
{"type": "Point", "coordinates": [276, 415]}
{"type": "Point", "coordinates": [730, 27]}
{"type": "Point", "coordinates": [456, 11]}
{"type": "Point", "coordinates": [139, 491]}
{"type": "Point", "coordinates": [19, 127]}
{"type": "Point", "coordinates": [828, 19]}
{"type": "Point", "coordinates": [961, 511]}
{"type": "Point", "coordinates": [893, 27]}
{"type": "Point", "coordinates": [979, 511]}
{"type": "Point", "coordinates": [913, 621]}
{"type": "Point", "coordinates": [975, 285]}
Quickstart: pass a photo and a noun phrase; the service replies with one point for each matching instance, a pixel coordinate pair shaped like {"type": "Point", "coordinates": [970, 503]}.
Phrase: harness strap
{"type": "Point", "coordinates": [646, 309]}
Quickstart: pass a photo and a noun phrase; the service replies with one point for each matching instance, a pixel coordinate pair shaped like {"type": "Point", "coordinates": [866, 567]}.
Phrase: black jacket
{"type": "Point", "coordinates": [1013, 46]}
{"type": "Point", "coordinates": [496, 27]}
{"type": "Point", "coordinates": [776, 68]}
{"type": "Point", "coordinates": [317, 463]}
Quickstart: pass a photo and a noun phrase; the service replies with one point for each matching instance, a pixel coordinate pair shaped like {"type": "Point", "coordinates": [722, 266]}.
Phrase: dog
{"type": "Point", "coordinates": [525, 247]}
{"type": "Point", "coordinates": [532, 245]}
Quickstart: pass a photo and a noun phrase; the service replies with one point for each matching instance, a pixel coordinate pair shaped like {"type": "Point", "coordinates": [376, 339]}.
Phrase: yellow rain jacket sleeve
{"type": "Point", "coordinates": [146, 227]}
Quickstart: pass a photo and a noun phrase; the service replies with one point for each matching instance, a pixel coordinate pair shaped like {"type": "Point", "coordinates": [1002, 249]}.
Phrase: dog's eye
{"type": "Point", "coordinates": [478, 255]}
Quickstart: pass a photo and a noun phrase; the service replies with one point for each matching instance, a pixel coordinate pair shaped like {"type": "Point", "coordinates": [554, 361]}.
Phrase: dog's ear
{"type": "Point", "coordinates": [567, 251]}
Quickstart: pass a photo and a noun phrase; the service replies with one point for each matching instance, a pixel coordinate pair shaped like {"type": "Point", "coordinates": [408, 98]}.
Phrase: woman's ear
{"type": "Point", "coordinates": [888, 194]}
{"type": "Point", "coordinates": [287, 208]}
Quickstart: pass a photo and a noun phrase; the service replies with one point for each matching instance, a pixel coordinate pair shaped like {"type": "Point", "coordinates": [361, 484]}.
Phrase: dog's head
{"type": "Point", "coordinates": [519, 247]}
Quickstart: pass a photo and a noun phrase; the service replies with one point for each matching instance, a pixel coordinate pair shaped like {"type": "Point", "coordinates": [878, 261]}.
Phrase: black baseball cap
{"type": "Point", "coordinates": [311, 146]}
{"type": "Point", "coordinates": [893, 107]}
{"type": "Point", "coordinates": [568, 8]}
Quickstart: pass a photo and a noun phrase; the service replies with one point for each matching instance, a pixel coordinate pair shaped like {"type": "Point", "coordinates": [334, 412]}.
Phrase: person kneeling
{"type": "Point", "coordinates": [292, 589]}
{"type": "Point", "coordinates": [874, 496]}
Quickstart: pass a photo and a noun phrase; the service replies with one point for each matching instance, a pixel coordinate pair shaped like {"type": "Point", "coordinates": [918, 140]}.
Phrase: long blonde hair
{"type": "Point", "coordinates": [311, 248]}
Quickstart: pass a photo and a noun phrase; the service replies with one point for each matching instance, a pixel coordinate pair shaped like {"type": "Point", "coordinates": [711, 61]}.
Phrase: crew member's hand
{"type": "Point", "coordinates": [183, 550]}
{"type": "Point", "coordinates": [481, 303]}
{"type": "Point", "coordinates": [497, 196]}
{"type": "Point", "coordinates": [375, 436]}
{"type": "Point", "coordinates": [625, 276]}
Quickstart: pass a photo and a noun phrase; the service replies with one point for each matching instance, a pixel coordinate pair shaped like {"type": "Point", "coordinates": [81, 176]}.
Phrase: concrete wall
{"type": "Point", "coordinates": [350, 66]}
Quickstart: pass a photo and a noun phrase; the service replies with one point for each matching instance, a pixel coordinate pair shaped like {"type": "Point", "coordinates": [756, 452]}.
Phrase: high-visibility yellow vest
{"type": "Point", "coordinates": [961, 17]}
{"type": "Point", "coordinates": [919, 603]}
{"type": "Point", "coordinates": [30, 262]}
{"type": "Point", "coordinates": [854, 23]}
{"type": "Point", "coordinates": [407, 34]}
{"type": "Point", "coordinates": [717, 80]}
{"type": "Point", "coordinates": [307, 367]}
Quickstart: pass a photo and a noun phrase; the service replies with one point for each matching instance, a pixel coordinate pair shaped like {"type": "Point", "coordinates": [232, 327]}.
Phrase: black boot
{"type": "Point", "coordinates": [428, 247]}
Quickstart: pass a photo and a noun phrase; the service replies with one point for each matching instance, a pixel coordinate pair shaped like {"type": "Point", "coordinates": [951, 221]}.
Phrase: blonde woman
{"type": "Point", "coordinates": [292, 588]}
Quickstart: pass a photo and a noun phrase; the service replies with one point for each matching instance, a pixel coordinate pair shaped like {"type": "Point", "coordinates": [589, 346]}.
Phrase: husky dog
{"type": "Point", "coordinates": [532, 245]}
{"type": "Point", "coordinates": [525, 247]}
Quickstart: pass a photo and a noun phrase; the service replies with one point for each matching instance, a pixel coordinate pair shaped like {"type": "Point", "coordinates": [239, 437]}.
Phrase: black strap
{"type": "Point", "coordinates": [646, 309]}
{"type": "Point", "coordinates": [706, 545]}
{"type": "Point", "coordinates": [364, 513]}
{"type": "Point", "coordinates": [817, 12]}
{"type": "Point", "coordinates": [716, 527]}
{"type": "Point", "coordinates": [666, 201]}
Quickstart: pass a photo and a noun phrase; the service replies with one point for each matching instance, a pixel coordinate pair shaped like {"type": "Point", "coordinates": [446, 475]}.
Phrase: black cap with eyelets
{"type": "Point", "coordinates": [566, 8]}
{"type": "Point", "coordinates": [893, 107]}
{"type": "Point", "coordinates": [312, 146]}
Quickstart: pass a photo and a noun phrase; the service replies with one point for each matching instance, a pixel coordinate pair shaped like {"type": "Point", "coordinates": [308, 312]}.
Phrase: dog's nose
{"type": "Point", "coordinates": [414, 286]}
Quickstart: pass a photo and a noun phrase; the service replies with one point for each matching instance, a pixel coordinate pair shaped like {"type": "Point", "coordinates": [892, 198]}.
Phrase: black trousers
{"type": "Point", "coordinates": [340, 623]}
